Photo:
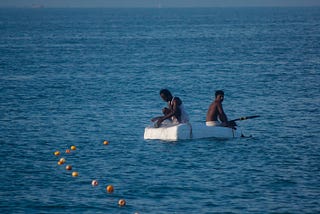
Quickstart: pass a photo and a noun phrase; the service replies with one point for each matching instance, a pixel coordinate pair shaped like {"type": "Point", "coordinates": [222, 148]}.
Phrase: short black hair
{"type": "Point", "coordinates": [166, 92]}
{"type": "Point", "coordinates": [219, 92]}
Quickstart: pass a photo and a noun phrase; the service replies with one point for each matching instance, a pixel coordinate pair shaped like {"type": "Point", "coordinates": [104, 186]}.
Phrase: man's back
{"type": "Point", "coordinates": [212, 112]}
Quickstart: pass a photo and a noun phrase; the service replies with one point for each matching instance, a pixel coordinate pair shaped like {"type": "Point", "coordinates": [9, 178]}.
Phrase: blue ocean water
{"type": "Point", "coordinates": [82, 76]}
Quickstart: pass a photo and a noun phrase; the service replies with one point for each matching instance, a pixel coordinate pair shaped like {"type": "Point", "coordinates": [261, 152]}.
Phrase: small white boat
{"type": "Point", "coordinates": [185, 131]}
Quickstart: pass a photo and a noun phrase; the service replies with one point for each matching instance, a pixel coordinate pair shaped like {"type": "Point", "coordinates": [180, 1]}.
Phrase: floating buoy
{"type": "Point", "coordinates": [68, 151]}
{"type": "Point", "coordinates": [68, 167]}
{"type": "Point", "coordinates": [105, 142]}
{"type": "Point", "coordinates": [122, 202]}
{"type": "Point", "coordinates": [75, 174]}
{"type": "Point", "coordinates": [73, 148]}
{"type": "Point", "coordinates": [62, 160]}
{"type": "Point", "coordinates": [94, 183]}
{"type": "Point", "coordinates": [56, 153]}
{"type": "Point", "coordinates": [60, 163]}
{"type": "Point", "coordinates": [110, 189]}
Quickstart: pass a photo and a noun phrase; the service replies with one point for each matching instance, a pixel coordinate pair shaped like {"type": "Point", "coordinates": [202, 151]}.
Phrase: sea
{"type": "Point", "coordinates": [79, 77]}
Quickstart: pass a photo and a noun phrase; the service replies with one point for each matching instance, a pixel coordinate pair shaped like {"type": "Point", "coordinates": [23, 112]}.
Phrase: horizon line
{"type": "Point", "coordinates": [154, 7]}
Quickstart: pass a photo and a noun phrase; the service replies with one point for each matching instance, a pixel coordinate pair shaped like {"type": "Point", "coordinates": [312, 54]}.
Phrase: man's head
{"type": "Point", "coordinates": [219, 95]}
{"type": "Point", "coordinates": [165, 95]}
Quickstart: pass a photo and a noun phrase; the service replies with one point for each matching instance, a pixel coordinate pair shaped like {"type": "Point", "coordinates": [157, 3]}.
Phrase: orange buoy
{"type": "Point", "coordinates": [68, 167]}
{"type": "Point", "coordinates": [105, 142]}
{"type": "Point", "coordinates": [60, 163]}
{"type": "Point", "coordinates": [68, 151]}
{"type": "Point", "coordinates": [56, 153]}
{"type": "Point", "coordinates": [110, 189]}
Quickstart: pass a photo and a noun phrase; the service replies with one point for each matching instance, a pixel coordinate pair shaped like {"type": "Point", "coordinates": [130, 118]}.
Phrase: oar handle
{"type": "Point", "coordinates": [244, 118]}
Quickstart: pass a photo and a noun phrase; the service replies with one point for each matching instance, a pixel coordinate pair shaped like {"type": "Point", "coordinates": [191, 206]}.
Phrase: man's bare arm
{"type": "Point", "coordinates": [222, 115]}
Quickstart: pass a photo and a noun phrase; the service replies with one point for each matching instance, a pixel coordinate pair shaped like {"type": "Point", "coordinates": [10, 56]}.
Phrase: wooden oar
{"type": "Point", "coordinates": [244, 118]}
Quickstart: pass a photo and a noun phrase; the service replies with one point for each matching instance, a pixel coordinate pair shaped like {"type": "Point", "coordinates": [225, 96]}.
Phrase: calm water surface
{"type": "Point", "coordinates": [82, 76]}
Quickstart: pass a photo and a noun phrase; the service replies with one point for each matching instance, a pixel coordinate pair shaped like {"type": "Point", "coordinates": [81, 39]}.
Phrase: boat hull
{"type": "Point", "coordinates": [188, 131]}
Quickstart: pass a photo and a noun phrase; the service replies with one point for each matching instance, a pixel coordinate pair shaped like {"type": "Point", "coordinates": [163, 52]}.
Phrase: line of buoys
{"type": "Point", "coordinates": [94, 183]}
{"type": "Point", "coordinates": [63, 160]}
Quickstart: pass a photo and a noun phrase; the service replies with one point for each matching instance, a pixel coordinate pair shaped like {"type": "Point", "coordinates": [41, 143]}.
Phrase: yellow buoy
{"type": "Point", "coordinates": [60, 163]}
{"type": "Point", "coordinates": [75, 174]}
{"type": "Point", "coordinates": [122, 202]}
{"type": "Point", "coordinates": [73, 148]}
{"type": "Point", "coordinates": [56, 153]}
{"type": "Point", "coordinates": [110, 189]}
{"type": "Point", "coordinates": [68, 167]}
{"type": "Point", "coordinates": [105, 142]}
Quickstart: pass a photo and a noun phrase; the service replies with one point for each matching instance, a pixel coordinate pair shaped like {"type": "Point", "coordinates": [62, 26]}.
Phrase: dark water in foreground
{"type": "Point", "coordinates": [79, 77]}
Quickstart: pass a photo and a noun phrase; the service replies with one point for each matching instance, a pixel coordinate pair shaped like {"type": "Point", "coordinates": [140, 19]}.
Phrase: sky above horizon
{"type": "Point", "coordinates": [158, 3]}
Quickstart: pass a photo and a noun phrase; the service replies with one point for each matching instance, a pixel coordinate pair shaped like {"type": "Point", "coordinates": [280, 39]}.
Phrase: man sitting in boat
{"type": "Point", "coordinates": [215, 114]}
{"type": "Point", "coordinates": [175, 112]}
